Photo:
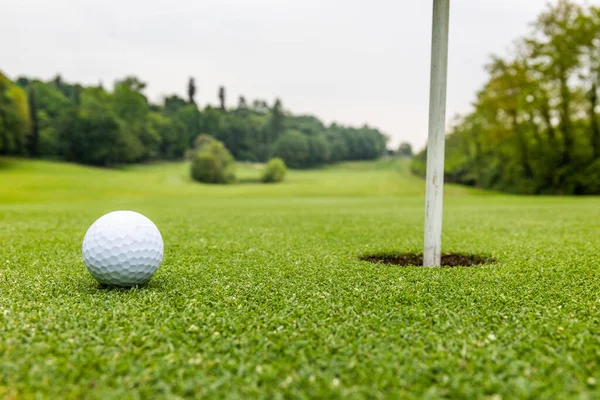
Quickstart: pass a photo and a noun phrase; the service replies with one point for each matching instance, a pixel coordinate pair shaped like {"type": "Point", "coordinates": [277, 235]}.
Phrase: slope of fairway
{"type": "Point", "coordinates": [261, 293]}
{"type": "Point", "coordinates": [38, 181]}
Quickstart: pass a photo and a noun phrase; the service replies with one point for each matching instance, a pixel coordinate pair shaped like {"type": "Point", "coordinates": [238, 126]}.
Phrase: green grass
{"type": "Point", "coordinates": [261, 293]}
{"type": "Point", "coordinates": [41, 181]}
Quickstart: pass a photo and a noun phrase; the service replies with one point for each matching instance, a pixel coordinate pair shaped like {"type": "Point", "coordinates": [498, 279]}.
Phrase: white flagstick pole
{"type": "Point", "coordinates": [437, 124]}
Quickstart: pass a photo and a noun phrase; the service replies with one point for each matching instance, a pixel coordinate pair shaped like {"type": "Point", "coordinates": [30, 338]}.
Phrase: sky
{"type": "Point", "coordinates": [354, 62]}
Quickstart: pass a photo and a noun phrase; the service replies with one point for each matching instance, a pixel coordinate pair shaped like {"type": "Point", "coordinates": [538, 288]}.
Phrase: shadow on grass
{"type": "Point", "coordinates": [150, 286]}
{"type": "Point", "coordinates": [238, 181]}
{"type": "Point", "coordinates": [115, 288]}
{"type": "Point", "coordinates": [7, 164]}
{"type": "Point", "coordinates": [248, 181]}
{"type": "Point", "coordinates": [416, 260]}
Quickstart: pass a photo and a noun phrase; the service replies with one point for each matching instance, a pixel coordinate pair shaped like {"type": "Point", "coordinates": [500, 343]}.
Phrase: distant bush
{"type": "Point", "coordinates": [200, 141]}
{"type": "Point", "coordinates": [274, 172]}
{"type": "Point", "coordinates": [213, 163]}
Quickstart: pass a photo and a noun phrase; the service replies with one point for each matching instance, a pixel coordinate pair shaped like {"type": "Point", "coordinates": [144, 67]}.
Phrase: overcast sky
{"type": "Point", "coordinates": [351, 61]}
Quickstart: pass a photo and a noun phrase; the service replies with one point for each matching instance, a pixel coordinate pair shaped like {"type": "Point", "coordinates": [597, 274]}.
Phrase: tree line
{"type": "Point", "coordinates": [534, 127]}
{"type": "Point", "coordinates": [92, 125]}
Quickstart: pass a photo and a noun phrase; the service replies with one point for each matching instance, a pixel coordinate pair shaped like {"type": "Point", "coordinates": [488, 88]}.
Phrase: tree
{"type": "Point", "coordinates": [293, 148]}
{"type": "Point", "coordinates": [274, 129]}
{"type": "Point", "coordinates": [211, 121]}
{"type": "Point", "coordinates": [14, 117]}
{"type": "Point", "coordinates": [127, 107]}
{"type": "Point", "coordinates": [190, 117]}
{"type": "Point", "coordinates": [306, 124]}
{"type": "Point", "coordinates": [173, 103]}
{"type": "Point", "coordinates": [256, 145]}
{"type": "Point", "coordinates": [49, 99]}
{"type": "Point", "coordinates": [171, 133]}
{"type": "Point", "coordinates": [556, 56]}
{"type": "Point", "coordinates": [260, 107]}
{"type": "Point", "coordinates": [58, 82]}
{"type": "Point", "coordinates": [39, 125]}
{"type": "Point", "coordinates": [534, 127]}
{"type": "Point", "coordinates": [77, 95]}
{"type": "Point", "coordinates": [588, 27]}
{"type": "Point", "coordinates": [338, 147]}
{"type": "Point", "coordinates": [234, 134]}
{"type": "Point", "coordinates": [131, 107]}
{"type": "Point", "coordinates": [191, 91]}
{"type": "Point", "coordinates": [92, 139]}
{"type": "Point", "coordinates": [242, 103]}
{"type": "Point", "coordinates": [318, 150]}
{"type": "Point", "coordinates": [33, 145]}
{"type": "Point", "coordinates": [405, 150]}
{"type": "Point", "coordinates": [150, 137]}
{"type": "Point", "coordinates": [48, 140]}
{"type": "Point", "coordinates": [222, 98]}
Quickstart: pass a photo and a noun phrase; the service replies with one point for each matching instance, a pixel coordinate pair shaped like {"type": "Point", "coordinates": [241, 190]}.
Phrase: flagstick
{"type": "Point", "coordinates": [435, 147]}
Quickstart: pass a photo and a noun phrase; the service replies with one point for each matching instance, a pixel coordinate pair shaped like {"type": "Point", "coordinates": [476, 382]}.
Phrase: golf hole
{"type": "Point", "coordinates": [416, 260]}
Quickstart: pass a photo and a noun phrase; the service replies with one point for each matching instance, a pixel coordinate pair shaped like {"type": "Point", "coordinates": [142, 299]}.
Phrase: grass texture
{"type": "Point", "coordinates": [262, 294]}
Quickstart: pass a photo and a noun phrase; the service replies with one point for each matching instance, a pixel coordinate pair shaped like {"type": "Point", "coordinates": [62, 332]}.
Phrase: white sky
{"type": "Point", "coordinates": [351, 61]}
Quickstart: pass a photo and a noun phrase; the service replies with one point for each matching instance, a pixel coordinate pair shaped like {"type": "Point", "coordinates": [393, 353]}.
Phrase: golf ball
{"type": "Point", "coordinates": [122, 248]}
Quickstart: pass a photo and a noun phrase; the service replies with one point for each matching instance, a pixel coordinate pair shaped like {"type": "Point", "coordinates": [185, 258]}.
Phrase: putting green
{"type": "Point", "coordinates": [261, 292]}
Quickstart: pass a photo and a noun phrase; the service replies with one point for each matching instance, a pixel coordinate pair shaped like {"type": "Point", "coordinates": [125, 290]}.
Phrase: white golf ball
{"type": "Point", "coordinates": [122, 248]}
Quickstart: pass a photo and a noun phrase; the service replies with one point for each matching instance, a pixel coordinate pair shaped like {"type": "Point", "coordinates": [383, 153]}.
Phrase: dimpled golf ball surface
{"type": "Point", "coordinates": [122, 248]}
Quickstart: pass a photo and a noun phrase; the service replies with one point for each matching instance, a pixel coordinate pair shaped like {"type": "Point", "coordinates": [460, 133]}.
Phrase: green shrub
{"type": "Point", "coordinates": [274, 172]}
{"type": "Point", "coordinates": [200, 141]}
{"type": "Point", "coordinates": [213, 164]}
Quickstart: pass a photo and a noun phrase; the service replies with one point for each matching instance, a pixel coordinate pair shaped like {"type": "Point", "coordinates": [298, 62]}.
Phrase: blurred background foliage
{"type": "Point", "coordinates": [92, 125]}
{"type": "Point", "coordinates": [534, 127]}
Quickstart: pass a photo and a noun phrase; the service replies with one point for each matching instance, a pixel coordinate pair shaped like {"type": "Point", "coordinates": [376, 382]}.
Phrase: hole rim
{"type": "Point", "coordinates": [449, 260]}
